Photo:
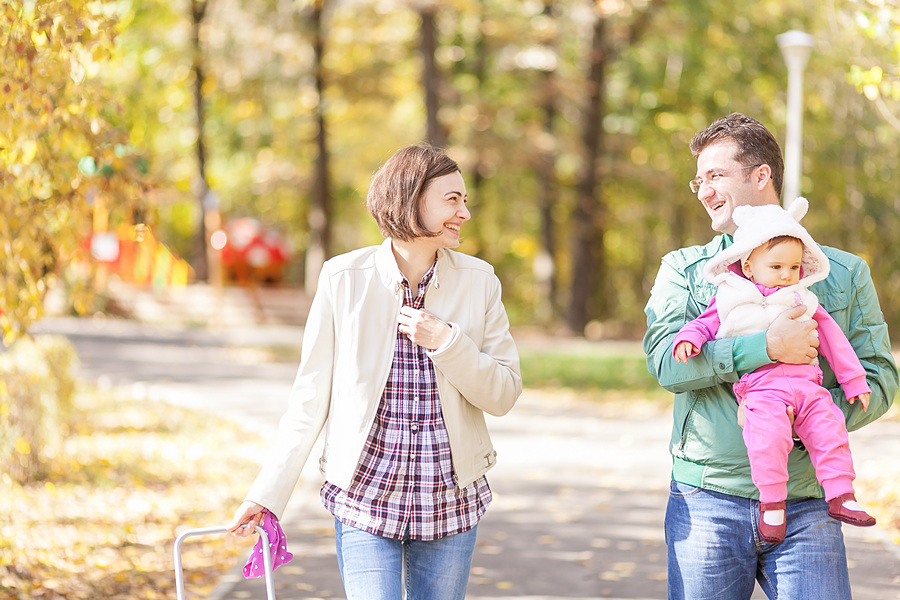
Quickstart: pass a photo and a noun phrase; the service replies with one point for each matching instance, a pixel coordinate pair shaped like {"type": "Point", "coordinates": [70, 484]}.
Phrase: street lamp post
{"type": "Point", "coordinates": [795, 47]}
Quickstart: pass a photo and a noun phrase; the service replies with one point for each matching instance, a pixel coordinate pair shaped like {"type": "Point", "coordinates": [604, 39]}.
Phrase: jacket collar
{"type": "Point", "coordinates": [389, 272]}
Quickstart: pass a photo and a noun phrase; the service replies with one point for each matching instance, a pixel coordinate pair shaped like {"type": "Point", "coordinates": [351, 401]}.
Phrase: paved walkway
{"type": "Point", "coordinates": [579, 488]}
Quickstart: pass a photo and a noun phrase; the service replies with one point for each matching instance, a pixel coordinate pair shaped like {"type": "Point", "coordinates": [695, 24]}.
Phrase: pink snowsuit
{"type": "Point", "coordinates": [768, 391]}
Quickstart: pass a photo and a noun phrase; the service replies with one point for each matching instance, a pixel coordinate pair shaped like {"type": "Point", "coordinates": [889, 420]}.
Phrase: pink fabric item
{"type": "Point", "coordinates": [255, 566]}
{"type": "Point", "coordinates": [767, 431]}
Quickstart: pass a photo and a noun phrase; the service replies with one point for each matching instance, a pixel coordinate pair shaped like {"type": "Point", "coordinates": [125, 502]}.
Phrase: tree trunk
{"type": "Point", "coordinates": [545, 263]}
{"type": "Point", "coordinates": [589, 216]}
{"type": "Point", "coordinates": [476, 139]}
{"type": "Point", "coordinates": [320, 207]}
{"type": "Point", "coordinates": [431, 81]}
{"type": "Point", "coordinates": [201, 187]}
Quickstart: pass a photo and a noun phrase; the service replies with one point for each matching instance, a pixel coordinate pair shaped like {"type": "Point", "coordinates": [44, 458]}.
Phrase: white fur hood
{"type": "Point", "coordinates": [757, 225]}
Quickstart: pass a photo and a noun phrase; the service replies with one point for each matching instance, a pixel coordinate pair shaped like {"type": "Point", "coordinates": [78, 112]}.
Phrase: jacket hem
{"type": "Point", "coordinates": [697, 475]}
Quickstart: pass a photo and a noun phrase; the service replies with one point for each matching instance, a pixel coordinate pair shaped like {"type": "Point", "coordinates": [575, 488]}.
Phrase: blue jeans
{"type": "Point", "coordinates": [715, 552]}
{"type": "Point", "coordinates": [379, 568]}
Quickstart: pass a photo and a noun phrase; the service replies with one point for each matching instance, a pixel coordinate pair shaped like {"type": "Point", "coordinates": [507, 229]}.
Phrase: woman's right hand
{"type": "Point", "coordinates": [247, 513]}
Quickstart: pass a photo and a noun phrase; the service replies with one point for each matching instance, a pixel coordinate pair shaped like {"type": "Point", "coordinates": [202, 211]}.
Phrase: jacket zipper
{"type": "Point", "coordinates": [684, 424]}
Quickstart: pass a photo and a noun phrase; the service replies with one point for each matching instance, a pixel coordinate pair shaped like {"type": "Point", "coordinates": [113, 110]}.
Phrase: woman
{"type": "Point", "coordinates": [406, 346]}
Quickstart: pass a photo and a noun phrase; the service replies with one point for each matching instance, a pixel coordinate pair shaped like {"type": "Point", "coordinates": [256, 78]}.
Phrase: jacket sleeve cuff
{"type": "Point", "coordinates": [694, 337]}
{"type": "Point", "coordinates": [455, 332]}
{"type": "Point", "coordinates": [750, 353]}
{"type": "Point", "coordinates": [856, 386]}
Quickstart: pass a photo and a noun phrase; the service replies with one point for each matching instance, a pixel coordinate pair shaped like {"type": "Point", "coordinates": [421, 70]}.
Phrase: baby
{"type": "Point", "coordinates": [768, 270]}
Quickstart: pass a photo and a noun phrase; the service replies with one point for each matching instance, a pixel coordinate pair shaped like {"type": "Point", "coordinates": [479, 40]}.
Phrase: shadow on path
{"type": "Point", "coordinates": [580, 487]}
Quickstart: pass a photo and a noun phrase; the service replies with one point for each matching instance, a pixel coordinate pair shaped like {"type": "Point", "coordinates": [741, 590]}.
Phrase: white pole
{"type": "Point", "coordinates": [795, 47]}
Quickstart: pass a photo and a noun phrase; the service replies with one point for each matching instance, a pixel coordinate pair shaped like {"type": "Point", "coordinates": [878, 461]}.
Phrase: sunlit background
{"type": "Point", "coordinates": [197, 160]}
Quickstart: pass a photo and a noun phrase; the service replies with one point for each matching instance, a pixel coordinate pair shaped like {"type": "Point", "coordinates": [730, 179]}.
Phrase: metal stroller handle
{"type": "Point", "coordinates": [267, 558]}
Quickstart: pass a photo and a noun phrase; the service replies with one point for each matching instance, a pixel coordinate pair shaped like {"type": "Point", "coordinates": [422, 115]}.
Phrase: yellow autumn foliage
{"type": "Point", "coordinates": [52, 124]}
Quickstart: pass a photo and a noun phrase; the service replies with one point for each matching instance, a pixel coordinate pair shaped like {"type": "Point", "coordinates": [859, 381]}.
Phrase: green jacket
{"type": "Point", "coordinates": [707, 448]}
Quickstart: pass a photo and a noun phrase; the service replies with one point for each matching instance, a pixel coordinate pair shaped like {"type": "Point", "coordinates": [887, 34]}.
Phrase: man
{"type": "Point", "coordinates": [714, 548]}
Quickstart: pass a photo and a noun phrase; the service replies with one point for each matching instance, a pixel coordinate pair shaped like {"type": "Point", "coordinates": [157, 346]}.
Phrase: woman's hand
{"type": "Point", "coordinates": [423, 328]}
{"type": "Point", "coordinates": [248, 512]}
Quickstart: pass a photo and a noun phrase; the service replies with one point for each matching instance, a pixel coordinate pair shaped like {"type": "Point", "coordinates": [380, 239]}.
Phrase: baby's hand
{"type": "Point", "coordinates": [863, 398]}
{"type": "Point", "coordinates": [685, 350]}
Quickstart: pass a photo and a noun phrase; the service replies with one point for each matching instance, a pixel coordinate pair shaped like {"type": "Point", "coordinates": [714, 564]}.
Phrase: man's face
{"type": "Point", "coordinates": [726, 184]}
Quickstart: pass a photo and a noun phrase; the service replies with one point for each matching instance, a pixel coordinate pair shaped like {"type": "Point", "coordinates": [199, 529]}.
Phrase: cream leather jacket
{"type": "Point", "coordinates": [348, 345]}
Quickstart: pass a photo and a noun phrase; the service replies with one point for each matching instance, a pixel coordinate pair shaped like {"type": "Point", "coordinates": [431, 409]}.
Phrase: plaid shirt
{"type": "Point", "coordinates": [404, 486]}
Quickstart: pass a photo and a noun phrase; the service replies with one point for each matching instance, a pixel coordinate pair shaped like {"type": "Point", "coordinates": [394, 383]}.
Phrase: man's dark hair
{"type": "Point", "coordinates": [756, 144]}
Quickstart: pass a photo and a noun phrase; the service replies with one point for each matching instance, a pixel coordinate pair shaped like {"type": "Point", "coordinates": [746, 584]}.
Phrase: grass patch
{"type": "Point", "coordinates": [590, 368]}
{"type": "Point", "coordinates": [130, 476]}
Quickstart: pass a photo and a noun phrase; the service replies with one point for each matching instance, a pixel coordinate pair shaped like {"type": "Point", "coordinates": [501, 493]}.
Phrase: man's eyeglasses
{"type": "Point", "coordinates": [696, 182]}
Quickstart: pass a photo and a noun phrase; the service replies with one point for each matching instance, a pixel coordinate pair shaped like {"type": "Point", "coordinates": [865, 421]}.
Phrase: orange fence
{"type": "Point", "coordinates": [134, 254]}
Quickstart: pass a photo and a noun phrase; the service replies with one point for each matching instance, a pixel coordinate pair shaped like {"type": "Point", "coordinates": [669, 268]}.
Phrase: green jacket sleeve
{"type": "Point", "coordinates": [858, 312]}
{"type": "Point", "coordinates": [670, 306]}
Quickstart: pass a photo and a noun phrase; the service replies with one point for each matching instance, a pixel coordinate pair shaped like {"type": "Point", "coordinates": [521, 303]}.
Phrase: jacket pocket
{"type": "Point", "coordinates": [836, 302]}
{"type": "Point", "coordinates": [686, 418]}
{"type": "Point", "coordinates": [682, 490]}
{"type": "Point", "coordinates": [703, 293]}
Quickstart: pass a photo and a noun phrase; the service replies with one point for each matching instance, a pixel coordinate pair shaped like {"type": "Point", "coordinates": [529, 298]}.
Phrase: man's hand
{"type": "Point", "coordinates": [742, 416]}
{"type": "Point", "coordinates": [791, 341]}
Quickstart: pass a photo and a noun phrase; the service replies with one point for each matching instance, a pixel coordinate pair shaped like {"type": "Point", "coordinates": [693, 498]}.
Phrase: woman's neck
{"type": "Point", "coordinates": [413, 259]}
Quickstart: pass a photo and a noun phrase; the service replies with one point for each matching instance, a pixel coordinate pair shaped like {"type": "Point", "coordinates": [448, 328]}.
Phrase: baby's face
{"type": "Point", "coordinates": [775, 267]}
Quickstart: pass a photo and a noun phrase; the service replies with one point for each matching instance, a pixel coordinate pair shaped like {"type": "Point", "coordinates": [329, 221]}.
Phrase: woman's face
{"type": "Point", "coordinates": [443, 209]}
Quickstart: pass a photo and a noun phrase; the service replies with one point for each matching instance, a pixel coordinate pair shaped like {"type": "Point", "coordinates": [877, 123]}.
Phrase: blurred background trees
{"type": "Point", "coordinates": [570, 120]}
{"type": "Point", "coordinates": [169, 138]}
{"type": "Point", "coordinates": [60, 158]}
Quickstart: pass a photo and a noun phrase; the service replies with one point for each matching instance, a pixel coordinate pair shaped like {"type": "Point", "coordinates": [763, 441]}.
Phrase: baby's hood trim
{"type": "Point", "coordinates": [759, 224]}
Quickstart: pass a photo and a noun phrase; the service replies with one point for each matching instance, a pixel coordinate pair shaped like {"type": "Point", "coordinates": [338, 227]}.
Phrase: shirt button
{"type": "Point", "coordinates": [414, 428]}
{"type": "Point", "coordinates": [722, 366]}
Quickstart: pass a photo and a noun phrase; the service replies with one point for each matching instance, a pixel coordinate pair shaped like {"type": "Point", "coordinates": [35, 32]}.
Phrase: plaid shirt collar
{"type": "Point", "coordinates": [417, 300]}
{"type": "Point", "coordinates": [386, 264]}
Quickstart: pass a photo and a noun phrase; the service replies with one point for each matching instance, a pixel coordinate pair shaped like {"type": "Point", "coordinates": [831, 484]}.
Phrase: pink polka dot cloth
{"type": "Point", "coordinates": [255, 566]}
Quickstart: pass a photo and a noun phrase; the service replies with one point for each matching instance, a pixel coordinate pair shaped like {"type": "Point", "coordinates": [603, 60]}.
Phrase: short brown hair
{"type": "Point", "coordinates": [781, 239]}
{"type": "Point", "coordinates": [772, 242]}
{"type": "Point", "coordinates": [397, 187]}
{"type": "Point", "coordinates": [756, 144]}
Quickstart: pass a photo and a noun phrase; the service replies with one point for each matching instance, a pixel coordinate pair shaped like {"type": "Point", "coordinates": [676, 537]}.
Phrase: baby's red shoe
{"type": "Point", "coordinates": [773, 534]}
{"type": "Point", "coordinates": [852, 515]}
